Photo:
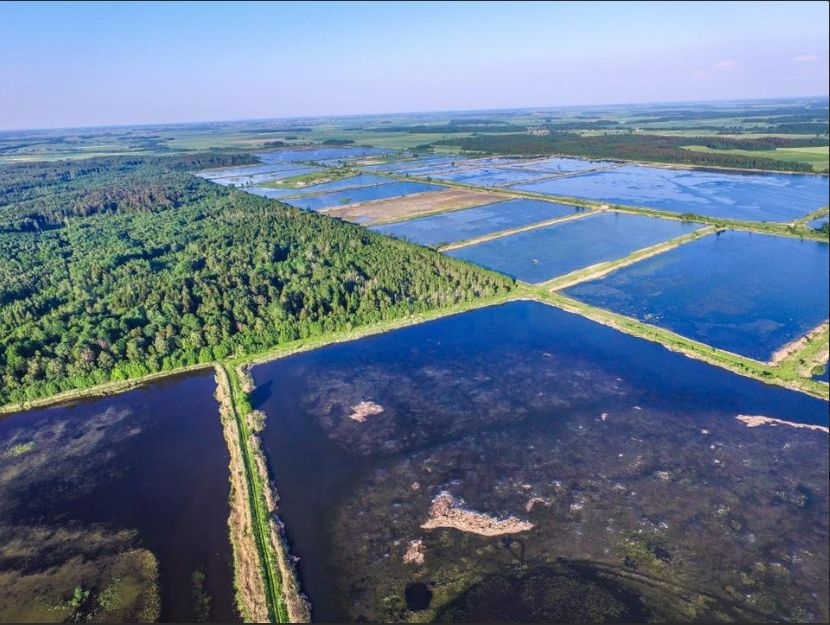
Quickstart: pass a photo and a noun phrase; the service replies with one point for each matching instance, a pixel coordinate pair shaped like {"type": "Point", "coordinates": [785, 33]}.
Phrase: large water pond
{"type": "Point", "coordinates": [521, 463]}
{"type": "Point", "coordinates": [547, 252]}
{"type": "Point", "coordinates": [258, 177]}
{"type": "Point", "coordinates": [318, 154]}
{"type": "Point", "coordinates": [247, 170]}
{"type": "Point", "coordinates": [363, 194]}
{"type": "Point", "coordinates": [472, 222]}
{"type": "Point", "coordinates": [752, 197]}
{"type": "Point", "coordinates": [561, 165]}
{"type": "Point", "coordinates": [488, 176]}
{"type": "Point", "coordinates": [743, 292]}
{"type": "Point", "coordinates": [116, 509]}
{"type": "Point", "coordinates": [424, 161]}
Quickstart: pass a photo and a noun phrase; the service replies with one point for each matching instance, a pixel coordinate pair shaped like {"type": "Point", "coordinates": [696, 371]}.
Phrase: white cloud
{"type": "Point", "coordinates": [725, 66]}
{"type": "Point", "coordinates": [719, 67]}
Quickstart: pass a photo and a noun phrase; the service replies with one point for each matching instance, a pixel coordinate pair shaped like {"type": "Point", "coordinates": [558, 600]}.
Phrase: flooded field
{"type": "Point", "coordinates": [489, 176]}
{"type": "Point", "coordinates": [472, 222]}
{"type": "Point", "coordinates": [751, 197]}
{"type": "Point", "coordinates": [239, 177]}
{"type": "Point", "coordinates": [742, 292]}
{"type": "Point", "coordinates": [541, 254]}
{"type": "Point", "coordinates": [116, 509]}
{"type": "Point", "coordinates": [317, 154]}
{"type": "Point", "coordinates": [522, 463]}
{"type": "Point", "coordinates": [560, 165]}
{"type": "Point", "coordinates": [424, 161]}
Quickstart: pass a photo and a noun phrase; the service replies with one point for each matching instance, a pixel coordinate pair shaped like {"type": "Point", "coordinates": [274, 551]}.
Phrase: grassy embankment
{"type": "Point", "coordinates": [307, 180]}
{"type": "Point", "coordinates": [601, 269]}
{"type": "Point", "coordinates": [263, 545]}
{"type": "Point", "coordinates": [248, 557]}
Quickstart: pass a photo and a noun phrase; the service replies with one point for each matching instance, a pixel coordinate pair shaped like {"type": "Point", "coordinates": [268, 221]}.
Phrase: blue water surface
{"type": "Point", "coordinates": [472, 222]}
{"type": "Point", "coordinates": [751, 197]}
{"type": "Point", "coordinates": [542, 254]}
{"type": "Point", "coordinates": [363, 194]}
{"type": "Point", "coordinates": [744, 292]}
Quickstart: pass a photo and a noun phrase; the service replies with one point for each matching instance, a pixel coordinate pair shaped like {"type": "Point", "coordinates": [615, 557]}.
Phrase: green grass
{"type": "Point", "coordinates": [18, 450]}
{"type": "Point", "coordinates": [306, 180]}
{"type": "Point", "coordinates": [241, 407]}
{"type": "Point", "coordinates": [817, 157]}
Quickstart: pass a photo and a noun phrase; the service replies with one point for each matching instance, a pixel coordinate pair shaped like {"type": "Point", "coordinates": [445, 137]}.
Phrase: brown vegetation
{"type": "Point", "coordinates": [446, 512]}
{"type": "Point", "coordinates": [365, 409]}
{"type": "Point", "coordinates": [247, 565]}
{"type": "Point", "coordinates": [417, 205]}
{"type": "Point", "coordinates": [753, 421]}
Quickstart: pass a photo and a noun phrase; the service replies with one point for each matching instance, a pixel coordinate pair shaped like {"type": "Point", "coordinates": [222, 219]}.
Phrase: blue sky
{"type": "Point", "coordinates": [98, 63]}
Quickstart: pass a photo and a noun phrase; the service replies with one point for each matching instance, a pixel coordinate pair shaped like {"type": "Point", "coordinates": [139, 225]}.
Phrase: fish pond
{"type": "Point", "coordinates": [750, 197]}
{"type": "Point", "coordinates": [116, 509]}
{"type": "Point", "coordinates": [472, 222]}
{"type": "Point", "coordinates": [362, 194]}
{"type": "Point", "coordinates": [488, 176]}
{"type": "Point", "coordinates": [248, 170]}
{"type": "Point", "coordinates": [398, 165]}
{"type": "Point", "coordinates": [561, 165]}
{"type": "Point", "coordinates": [744, 292]}
{"type": "Point", "coordinates": [318, 154]}
{"type": "Point", "coordinates": [544, 253]}
{"type": "Point", "coordinates": [522, 463]}
{"type": "Point", "coordinates": [258, 177]}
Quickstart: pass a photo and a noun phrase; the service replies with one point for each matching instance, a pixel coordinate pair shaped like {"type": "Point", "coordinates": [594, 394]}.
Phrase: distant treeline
{"type": "Point", "coordinates": [279, 129]}
{"type": "Point", "coordinates": [34, 196]}
{"type": "Point", "coordinates": [636, 147]}
{"type": "Point", "coordinates": [447, 129]}
{"type": "Point", "coordinates": [149, 286]}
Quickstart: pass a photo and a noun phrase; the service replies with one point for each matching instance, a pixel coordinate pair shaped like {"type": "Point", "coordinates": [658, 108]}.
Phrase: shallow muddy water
{"type": "Point", "coordinates": [116, 509]}
{"type": "Point", "coordinates": [521, 463]}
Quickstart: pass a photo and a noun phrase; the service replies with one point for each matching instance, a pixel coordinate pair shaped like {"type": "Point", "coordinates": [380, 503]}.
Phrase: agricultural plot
{"type": "Point", "coordinates": [401, 208]}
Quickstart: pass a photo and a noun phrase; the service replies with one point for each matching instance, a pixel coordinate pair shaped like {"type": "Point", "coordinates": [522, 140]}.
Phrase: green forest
{"type": "Point", "coordinates": [115, 268]}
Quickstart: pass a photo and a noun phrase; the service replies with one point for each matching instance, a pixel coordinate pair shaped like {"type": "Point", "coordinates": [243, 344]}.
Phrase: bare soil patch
{"type": "Point", "coordinates": [416, 205]}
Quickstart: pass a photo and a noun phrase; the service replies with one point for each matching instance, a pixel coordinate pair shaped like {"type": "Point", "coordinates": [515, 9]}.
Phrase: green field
{"type": "Point", "coordinates": [818, 157]}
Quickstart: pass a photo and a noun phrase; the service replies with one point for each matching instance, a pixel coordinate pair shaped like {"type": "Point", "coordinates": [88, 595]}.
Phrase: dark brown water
{"type": "Point", "coordinates": [648, 499]}
{"type": "Point", "coordinates": [106, 487]}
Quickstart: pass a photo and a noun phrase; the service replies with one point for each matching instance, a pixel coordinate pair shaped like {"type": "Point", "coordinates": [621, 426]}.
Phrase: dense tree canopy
{"type": "Point", "coordinates": [151, 284]}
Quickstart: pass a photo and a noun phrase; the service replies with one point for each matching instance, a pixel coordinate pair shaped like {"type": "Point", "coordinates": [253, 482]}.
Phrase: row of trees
{"type": "Point", "coordinates": [636, 147]}
{"type": "Point", "coordinates": [119, 294]}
